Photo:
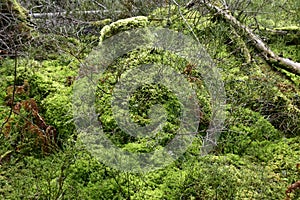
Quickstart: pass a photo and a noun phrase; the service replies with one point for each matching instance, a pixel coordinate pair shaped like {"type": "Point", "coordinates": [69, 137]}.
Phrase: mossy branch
{"type": "Point", "coordinates": [243, 46]}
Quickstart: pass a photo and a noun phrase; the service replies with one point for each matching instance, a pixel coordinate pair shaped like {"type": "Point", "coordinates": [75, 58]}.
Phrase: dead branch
{"type": "Point", "coordinates": [286, 63]}
{"type": "Point", "coordinates": [291, 189]}
{"type": "Point", "coordinates": [59, 14]}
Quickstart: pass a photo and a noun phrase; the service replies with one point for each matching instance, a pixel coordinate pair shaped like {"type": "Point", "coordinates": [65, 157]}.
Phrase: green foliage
{"type": "Point", "coordinates": [58, 112]}
{"type": "Point", "coordinates": [245, 127]}
{"type": "Point", "coordinates": [141, 102]}
{"type": "Point", "coordinates": [257, 152]}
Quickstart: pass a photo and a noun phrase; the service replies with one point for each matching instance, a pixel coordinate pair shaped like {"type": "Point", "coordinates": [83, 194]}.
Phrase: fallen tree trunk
{"type": "Point", "coordinates": [59, 14]}
{"type": "Point", "coordinates": [287, 64]}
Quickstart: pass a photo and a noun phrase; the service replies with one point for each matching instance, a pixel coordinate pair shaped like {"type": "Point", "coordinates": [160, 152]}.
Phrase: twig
{"type": "Point", "coordinates": [186, 22]}
{"type": "Point", "coordinates": [99, 4]}
{"type": "Point", "coordinates": [13, 94]}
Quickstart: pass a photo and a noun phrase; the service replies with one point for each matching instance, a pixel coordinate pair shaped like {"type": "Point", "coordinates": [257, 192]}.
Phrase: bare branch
{"type": "Point", "coordinates": [57, 14]}
{"type": "Point", "coordinates": [287, 64]}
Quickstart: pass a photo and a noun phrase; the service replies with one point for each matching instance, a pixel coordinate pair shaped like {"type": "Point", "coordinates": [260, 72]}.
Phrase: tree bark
{"type": "Point", "coordinates": [286, 63]}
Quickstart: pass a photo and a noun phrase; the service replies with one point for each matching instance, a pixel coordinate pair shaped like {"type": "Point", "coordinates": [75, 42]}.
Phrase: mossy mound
{"type": "Point", "coordinates": [263, 109]}
{"type": "Point", "coordinates": [123, 25]}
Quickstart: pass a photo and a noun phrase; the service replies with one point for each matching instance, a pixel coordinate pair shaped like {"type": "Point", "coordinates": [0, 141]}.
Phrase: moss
{"type": "Point", "coordinates": [147, 96]}
{"type": "Point", "coordinates": [254, 158]}
{"type": "Point", "coordinates": [123, 25]}
{"type": "Point", "coordinates": [101, 23]}
{"type": "Point", "coordinates": [46, 77]}
{"type": "Point", "coordinates": [244, 127]}
{"type": "Point", "coordinates": [58, 112]}
{"type": "Point", "coordinates": [224, 177]}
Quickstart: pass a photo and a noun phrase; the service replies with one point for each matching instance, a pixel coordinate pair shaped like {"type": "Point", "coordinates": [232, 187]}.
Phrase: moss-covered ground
{"type": "Point", "coordinates": [258, 152]}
